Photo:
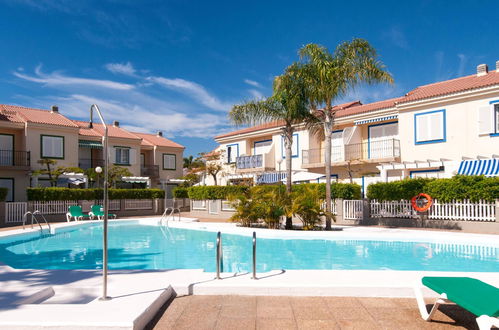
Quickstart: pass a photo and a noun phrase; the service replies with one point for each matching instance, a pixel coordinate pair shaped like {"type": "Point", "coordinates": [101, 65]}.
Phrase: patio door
{"type": "Point", "coordinates": [381, 140]}
{"type": "Point", "coordinates": [6, 150]}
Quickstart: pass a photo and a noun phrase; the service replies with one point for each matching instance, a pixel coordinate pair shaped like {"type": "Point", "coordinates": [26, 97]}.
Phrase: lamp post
{"type": "Point", "coordinates": [106, 199]}
{"type": "Point", "coordinates": [279, 162]}
{"type": "Point", "coordinates": [98, 170]}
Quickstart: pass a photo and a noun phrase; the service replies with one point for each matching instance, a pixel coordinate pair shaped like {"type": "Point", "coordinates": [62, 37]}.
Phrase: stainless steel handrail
{"type": "Point", "coordinates": [219, 254]}
{"type": "Point", "coordinates": [254, 256]}
{"type": "Point", "coordinates": [43, 217]}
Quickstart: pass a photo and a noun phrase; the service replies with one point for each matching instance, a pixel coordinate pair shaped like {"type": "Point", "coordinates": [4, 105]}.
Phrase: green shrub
{"type": "Point", "coordinates": [3, 194]}
{"type": "Point", "coordinates": [458, 187]}
{"type": "Point", "coordinates": [338, 190]}
{"type": "Point", "coordinates": [55, 194]}
{"type": "Point", "coordinates": [181, 192]}
{"type": "Point", "coordinates": [214, 192]}
{"type": "Point", "coordinates": [307, 206]}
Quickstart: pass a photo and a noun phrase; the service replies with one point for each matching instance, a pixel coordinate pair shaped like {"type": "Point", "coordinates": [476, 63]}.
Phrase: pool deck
{"type": "Point", "coordinates": [69, 298]}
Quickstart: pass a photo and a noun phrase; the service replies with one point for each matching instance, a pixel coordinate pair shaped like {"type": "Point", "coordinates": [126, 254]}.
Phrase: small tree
{"type": "Point", "coordinates": [54, 173]}
{"type": "Point", "coordinates": [115, 173]}
{"type": "Point", "coordinates": [245, 209]}
{"type": "Point", "coordinates": [307, 206]}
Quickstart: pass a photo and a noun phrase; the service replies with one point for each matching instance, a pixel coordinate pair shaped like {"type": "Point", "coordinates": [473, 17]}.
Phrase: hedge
{"type": "Point", "coordinates": [181, 192]}
{"type": "Point", "coordinates": [59, 194]}
{"type": "Point", "coordinates": [338, 190]}
{"type": "Point", "coordinates": [459, 187]}
{"type": "Point", "coordinates": [3, 194]}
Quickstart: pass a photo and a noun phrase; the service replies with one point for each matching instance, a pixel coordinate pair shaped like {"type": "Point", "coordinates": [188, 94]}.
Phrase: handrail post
{"type": "Point", "coordinates": [219, 253]}
{"type": "Point", "coordinates": [254, 256]}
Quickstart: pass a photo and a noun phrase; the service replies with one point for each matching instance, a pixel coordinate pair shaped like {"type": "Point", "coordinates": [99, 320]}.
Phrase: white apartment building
{"type": "Point", "coordinates": [436, 130]}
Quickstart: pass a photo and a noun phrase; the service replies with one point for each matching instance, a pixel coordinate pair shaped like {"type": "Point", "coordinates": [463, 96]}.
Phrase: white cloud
{"type": "Point", "coordinates": [252, 83]}
{"type": "Point", "coordinates": [397, 37]}
{"type": "Point", "coordinates": [255, 94]}
{"type": "Point", "coordinates": [462, 64]}
{"type": "Point", "coordinates": [57, 79]}
{"type": "Point", "coordinates": [121, 68]}
{"type": "Point", "coordinates": [193, 90]}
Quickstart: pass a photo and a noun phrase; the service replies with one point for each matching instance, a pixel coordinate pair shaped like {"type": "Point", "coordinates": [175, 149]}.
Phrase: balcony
{"type": "Point", "coordinates": [15, 159]}
{"type": "Point", "coordinates": [260, 162]}
{"type": "Point", "coordinates": [371, 151]}
{"type": "Point", "coordinates": [151, 171]}
{"type": "Point", "coordinates": [85, 163]}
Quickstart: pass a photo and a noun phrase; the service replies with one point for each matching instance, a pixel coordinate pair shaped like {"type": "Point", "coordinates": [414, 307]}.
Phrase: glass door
{"type": "Point", "coordinates": [6, 150]}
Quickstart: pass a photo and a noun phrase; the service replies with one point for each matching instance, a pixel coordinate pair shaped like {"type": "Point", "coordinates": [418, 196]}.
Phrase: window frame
{"type": "Point", "coordinates": [227, 152]}
{"type": "Point", "coordinates": [495, 107]}
{"type": "Point", "coordinates": [13, 180]}
{"type": "Point", "coordinates": [63, 146]}
{"type": "Point", "coordinates": [175, 162]}
{"type": "Point", "coordinates": [444, 128]}
{"type": "Point", "coordinates": [283, 152]}
{"type": "Point", "coordinates": [116, 158]}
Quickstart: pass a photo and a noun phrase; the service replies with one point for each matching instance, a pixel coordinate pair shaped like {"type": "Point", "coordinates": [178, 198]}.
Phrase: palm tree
{"type": "Point", "coordinates": [288, 104]}
{"type": "Point", "coordinates": [329, 77]}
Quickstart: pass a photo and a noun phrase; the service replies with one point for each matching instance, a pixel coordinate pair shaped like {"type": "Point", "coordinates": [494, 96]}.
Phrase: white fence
{"type": "Point", "coordinates": [456, 210]}
{"type": "Point", "coordinates": [198, 204]}
{"type": "Point", "coordinates": [138, 204]}
{"type": "Point", "coordinates": [14, 211]}
{"type": "Point", "coordinates": [52, 207]}
{"type": "Point", "coordinates": [174, 202]}
{"type": "Point", "coordinates": [353, 209]}
{"type": "Point", "coordinates": [333, 206]}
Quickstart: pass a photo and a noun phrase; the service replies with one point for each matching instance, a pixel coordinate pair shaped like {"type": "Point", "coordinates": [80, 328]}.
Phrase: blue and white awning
{"type": "Point", "coordinates": [373, 120]}
{"type": "Point", "coordinates": [272, 177]}
{"type": "Point", "coordinates": [487, 167]}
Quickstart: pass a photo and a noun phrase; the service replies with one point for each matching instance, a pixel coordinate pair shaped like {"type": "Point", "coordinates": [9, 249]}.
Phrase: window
{"type": "Point", "coordinates": [52, 146]}
{"type": "Point", "coordinates": [262, 147]}
{"type": "Point", "coordinates": [232, 153]}
{"type": "Point", "coordinates": [488, 119]}
{"type": "Point", "coordinates": [294, 147]}
{"type": "Point", "coordinates": [9, 184]}
{"type": "Point", "coordinates": [429, 127]}
{"type": "Point", "coordinates": [169, 162]}
{"type": "Point", "coordinates": [122, 155]}
{"type": "Point", "coordinates": [6, 150]}
{"type": "Point", "coordinates": [496, 116]}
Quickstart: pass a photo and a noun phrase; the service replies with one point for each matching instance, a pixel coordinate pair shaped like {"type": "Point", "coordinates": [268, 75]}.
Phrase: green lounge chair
{"type": "Point", "coordinates": [76, 213]}
{"type": "Point", "coordinates": [479, 298]}
{"type": "Point", "coordinates": [97, 211]}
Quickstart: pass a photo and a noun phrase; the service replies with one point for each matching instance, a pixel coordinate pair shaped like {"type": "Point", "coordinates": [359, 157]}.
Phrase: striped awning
{"type": "Point", "coordinates": [90, 144]}
{"type": "Point", "coordinates": [272, 177]}
{"type": "Point", "coordinates": [373, 120]}
{"type": "Point", "coordinates": [487, 167]}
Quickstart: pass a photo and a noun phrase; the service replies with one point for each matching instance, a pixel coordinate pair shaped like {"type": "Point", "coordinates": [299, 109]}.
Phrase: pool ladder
{"type": "Point", "coordinates": [219, 260]}
{"type": "Point", "coordinates": [170, 213]}
{"type": "Point", "coordinates": [33, 218]}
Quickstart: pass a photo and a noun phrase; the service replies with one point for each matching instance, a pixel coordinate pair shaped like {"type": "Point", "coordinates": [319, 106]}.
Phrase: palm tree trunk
{"type": "Point", "coordinates": [328, 131]}
{"type": "Point", "coordinates": [288, 143]}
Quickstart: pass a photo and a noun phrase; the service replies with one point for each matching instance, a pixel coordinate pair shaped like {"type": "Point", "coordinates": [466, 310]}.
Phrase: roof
{"type": "Point", "coordinates": [14, 113]}
{"type": "Point", "coordinates": [385, 104]}
{"type": "Point", "coordinates": [98, 130]}
{"type": "Point", "coordinates": [452, 86]}
{"type": "Point", "coordinates": [155, 140]}
{"type": "Point", "coordinates": [273, 124]}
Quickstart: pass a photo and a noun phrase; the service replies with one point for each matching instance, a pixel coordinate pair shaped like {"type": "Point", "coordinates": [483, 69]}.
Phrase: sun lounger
{"type": "Point", "coordinates": [97, 211]}
{"type": "Point", "coordinates": [76, 213]}
{"type": "Point", "coordinates": [479, 298]}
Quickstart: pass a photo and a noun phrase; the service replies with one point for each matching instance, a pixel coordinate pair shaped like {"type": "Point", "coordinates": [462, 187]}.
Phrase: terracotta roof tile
{"type": "Point", "coordinates": [19, 114]}
{"type": "Point", "coordinates": [385, 104]}
{"type": "Point", "coordinates": [155, 140]}
{"type": "Point", "coordinates": [98, 130]}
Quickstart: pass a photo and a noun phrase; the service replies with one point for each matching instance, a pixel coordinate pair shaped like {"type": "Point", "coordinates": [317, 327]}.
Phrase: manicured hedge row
{"type": "Point", "coordinates": [59, 194]}
{"type": "Point", "coordinates": [445, 190]}
{"type": "Point", "coordinates": [3, 194]}
{"type": "Point", "coordinates": [181, 192]}
{"type": "Point", "coordinates": [338, 190]}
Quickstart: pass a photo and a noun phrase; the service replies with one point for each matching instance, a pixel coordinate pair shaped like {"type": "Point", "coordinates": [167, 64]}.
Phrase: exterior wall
{"type": "Point", "coordinates": [169, 174]}
{"type": "Point", "coordinates": [462, 138]}
{"type": "Point", "coordinates": [134, 166]}
{"type": "Point", "coordinates": [21, 181]}
{"type": "Point", "coordinates": [19, 140]}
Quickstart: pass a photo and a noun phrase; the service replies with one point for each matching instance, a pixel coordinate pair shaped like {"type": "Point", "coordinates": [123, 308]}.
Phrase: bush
{"type": "Point", "coordinates": [458, 187]}
{"type": "Point", "coordinates": [215, 192]}
{"type": "Point", "coordinates": [338, 190]}
{"type": "Point", "coordinates": [60, 194]}
{"type": "Point", "coordinates": [181, 192]}
{"type": "Point", "coordinates": [3, 194]}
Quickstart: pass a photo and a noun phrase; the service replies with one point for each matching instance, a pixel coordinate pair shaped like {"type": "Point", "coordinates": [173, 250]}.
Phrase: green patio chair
{"type": "Point", "coordinates": [478, 297]}
{"type": "Point", "coordinates": [76, 213]}
{"type": "Point", "coordinates": [97, 211]}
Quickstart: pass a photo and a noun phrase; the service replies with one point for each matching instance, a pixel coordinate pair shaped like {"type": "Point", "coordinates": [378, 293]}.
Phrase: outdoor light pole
{"type": "Point", "coordinates": [106, 200]}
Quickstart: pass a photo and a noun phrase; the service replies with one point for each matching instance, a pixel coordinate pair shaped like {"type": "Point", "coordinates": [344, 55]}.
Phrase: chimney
{"type": "Point", "coordinates": [497, 66]}
{"type": "Point", "coordinates": [54, 109]}
{"type": "Point", "coordinates": [160, 133]}
{"type": "Point", "coordinates": [116, 123]}
{"type": "Point", "coordinates": [482, 70]}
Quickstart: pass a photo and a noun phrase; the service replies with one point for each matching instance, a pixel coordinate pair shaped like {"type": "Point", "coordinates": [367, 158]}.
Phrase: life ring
{"type": "Point", "coordinates": [421, 208]}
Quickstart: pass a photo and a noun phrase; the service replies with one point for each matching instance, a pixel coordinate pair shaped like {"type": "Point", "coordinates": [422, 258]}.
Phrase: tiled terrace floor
{"type": "Point", "coordinates": [276, 313]}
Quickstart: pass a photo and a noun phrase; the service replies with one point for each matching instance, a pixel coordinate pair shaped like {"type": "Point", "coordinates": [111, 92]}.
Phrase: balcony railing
{"type": "Point", "coordinates": [84, 163]}
{"type": "Point", "coordinates": [247, 162]}
{"type": "Point", "coordinates": [14, 158]}
{"type": "Point", "coordinates": [151, 171]}
{"type": "Point", "coordinates": [380, 149]}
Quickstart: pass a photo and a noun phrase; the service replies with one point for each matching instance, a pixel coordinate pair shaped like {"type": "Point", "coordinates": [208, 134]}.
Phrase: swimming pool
{"type": "Point", "coordinates": [133, 245]}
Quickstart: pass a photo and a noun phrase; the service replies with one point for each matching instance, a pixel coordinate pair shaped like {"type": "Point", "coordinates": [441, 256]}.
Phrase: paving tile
{"type": "Point", "coordinates": [346, 313]}
{"type": "Point", "coordinates": [312, 313]}
{"type": "Point", "coordinates": [272, 301]}
{"type": "Point", "coordinates": [378, 302]}
{"type": "Point", "coordinates": [239, 300]}
{"type": "Point", "coordinates": [238, 311]}
{"type": "Point", "coordinates": [351, 302]}
{"type": "Point", "coordinates": [385, 313]}
{"type": "Point", "coordinates": [227, 323]}
{"type": "Point", "coordinates": [358, 325]}
{"type": "Point", "coordinates": [189, 322]}
{"type": "Point", "coordinates": [281, 312]}
{"type": "Point", "coordinates": [316, 324]}
{"type": "Point", "coordinates": [172, 313]}
{"type": "Point", "coordinates": [275, 324]}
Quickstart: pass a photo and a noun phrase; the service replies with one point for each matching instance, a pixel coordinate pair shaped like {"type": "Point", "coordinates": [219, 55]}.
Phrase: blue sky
{"type": "Point", "coordinates": [179, 66]}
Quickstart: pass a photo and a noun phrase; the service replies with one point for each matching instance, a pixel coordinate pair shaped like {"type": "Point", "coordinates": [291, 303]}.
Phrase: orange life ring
{"type": "Point", "coordinates": [425, 207]}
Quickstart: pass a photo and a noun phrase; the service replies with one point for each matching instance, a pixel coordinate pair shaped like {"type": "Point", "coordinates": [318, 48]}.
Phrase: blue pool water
{"type": "Point", "coordinates": [134, 246]}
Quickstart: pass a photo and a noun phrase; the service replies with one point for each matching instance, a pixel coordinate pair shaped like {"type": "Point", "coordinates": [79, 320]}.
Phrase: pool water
{"type": "Point", "coordinates": [135, 246]}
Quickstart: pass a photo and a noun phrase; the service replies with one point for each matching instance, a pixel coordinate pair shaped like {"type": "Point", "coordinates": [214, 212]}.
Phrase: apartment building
{"type": "Point", "coordinates": [436, 130]}
{"type": "Point", "coordinates": [28, 135]}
